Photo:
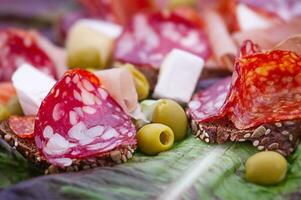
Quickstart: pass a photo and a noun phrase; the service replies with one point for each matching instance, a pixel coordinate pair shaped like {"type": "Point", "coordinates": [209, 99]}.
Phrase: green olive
{"type": "Point", "coordinates": [155, 138]}
{"type": "Point", "coordinates": [87, 47]}
{"type": "Point", "coordinates": [141, 83]}
{"type": "Point", "coordinates": [14, 106]}
{"type": "Point", "coordinates": [4, 113]}
{"type": "Point", "coordinates": [171, 114]}
{"type": "Point", "coordinates": [266, 168]}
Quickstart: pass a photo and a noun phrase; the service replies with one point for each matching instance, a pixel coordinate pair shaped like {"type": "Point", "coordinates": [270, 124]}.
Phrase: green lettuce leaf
{"type": "Point", "coordinates": [13, 167]}
{"type": "Point", "coordinates": [191, 170]}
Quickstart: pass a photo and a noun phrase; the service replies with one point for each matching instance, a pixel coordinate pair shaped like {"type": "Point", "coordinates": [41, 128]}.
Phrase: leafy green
{"type": "Point", "coordinates": [191, 170]}
{"type": "Point", "coordinates": [13, 167]}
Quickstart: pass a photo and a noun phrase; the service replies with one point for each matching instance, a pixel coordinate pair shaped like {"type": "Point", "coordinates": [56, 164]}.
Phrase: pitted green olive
{"type": "Point", "coordinates": [266, 168]}
{"type": "Point", "coordinates": [155, 138]}
{"type": "Point", "coordinates": [141, 83]}
{"type": "Point", "coordinates": [171, 114]}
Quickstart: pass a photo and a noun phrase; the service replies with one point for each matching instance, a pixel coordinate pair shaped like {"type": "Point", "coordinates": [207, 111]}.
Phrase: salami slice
{"type": "Point", "coordinates": [18, 47]}
{"type": "Point", "coordinates": [23, 127]}
{"type": "Point", "coordinates": [265, 88]}
{"type": "Point", "coordinates": [148, 38]}
{"type": "Point", "coordinates": [207, 104]}
{"type": "Point", "coordinates": [79, 119]}
{"type": "Point", "coordinates": [119, 11]}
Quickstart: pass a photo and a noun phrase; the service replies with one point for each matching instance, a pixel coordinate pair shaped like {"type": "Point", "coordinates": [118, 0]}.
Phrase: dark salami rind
{"type": "Point", "coordinates": [149, 37]}
{"type": "Point", "coordinates": [19, 47]}
{"type": "Point", "coordinates": [79, 119]}
{"type": "Point", "coordinates": [23, 127]}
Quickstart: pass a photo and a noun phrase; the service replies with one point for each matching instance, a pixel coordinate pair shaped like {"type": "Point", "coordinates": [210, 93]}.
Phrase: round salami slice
{"type": "Point", "coordinates": [18, 47]}
{"type": "Point", "coordinates": [79, 119]}
{"type": "Point", "coordinates": [148, 38]}
{"type": "Point", "coordinates": [207, 104]}
{"type": "Point", "coordinates": [22, 126]}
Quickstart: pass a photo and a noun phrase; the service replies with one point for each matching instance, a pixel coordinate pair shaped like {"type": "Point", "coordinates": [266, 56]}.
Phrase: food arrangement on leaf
{"type": "Point", "coordinates": [154, 99]}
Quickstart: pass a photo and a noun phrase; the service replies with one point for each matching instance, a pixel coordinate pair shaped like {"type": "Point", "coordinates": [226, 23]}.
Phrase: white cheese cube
{"type": "Point", "coordinates": [178, 76]}
{"type": "Point", "coordinates": [32, 87]}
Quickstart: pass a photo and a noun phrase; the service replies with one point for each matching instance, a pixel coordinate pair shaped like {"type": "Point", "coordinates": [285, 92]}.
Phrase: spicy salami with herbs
{"type": "Point", "coordinates": [260, 103]}
{"type": "Point", "coordinates": [79, 119]}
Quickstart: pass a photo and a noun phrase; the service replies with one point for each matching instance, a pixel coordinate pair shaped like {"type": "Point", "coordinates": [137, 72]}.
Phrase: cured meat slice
{"type": "Point", "coordinates": [223, 47]}
{"type": "Point", "coordinates": [267, 89]}
{"type": "Point", "coordinates": [206, 104]}
{"type": "Point", "coordinates": [119, 82]}
{"type": "Point", "coordinates": [79, 119]}
{"type": "Point", "coordinates": [261, 104]}
{"type": "Point", "coordinates": [266, 38]}
{"type": "Point", "coordinates": [119, 11]}
{"type": "Point", "coordinates": [241, 16]}
{"type": "Point", "coordinates": [23, 127]}
{"type": "Point", "coordinates": [19, 47]}
{"type": "Point", "coordinates": [148, 38]}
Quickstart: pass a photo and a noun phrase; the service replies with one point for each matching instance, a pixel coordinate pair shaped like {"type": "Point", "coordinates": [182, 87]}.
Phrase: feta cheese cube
{"type": "Point", "coordinates": [178, 76]}
{"type": "Point", "coordinates": [32, 86]}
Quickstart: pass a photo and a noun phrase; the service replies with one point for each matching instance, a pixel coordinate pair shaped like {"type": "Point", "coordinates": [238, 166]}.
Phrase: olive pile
{"type": "Point", "coordinates": [169, 124]}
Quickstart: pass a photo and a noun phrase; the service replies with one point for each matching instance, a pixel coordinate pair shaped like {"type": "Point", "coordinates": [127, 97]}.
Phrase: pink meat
{"type": "Point", "coordinates": [78, 119]}
{"type": "Point", "coordinates": [19, 47]}
{"type": "Point", "coordinates": [148, 38]}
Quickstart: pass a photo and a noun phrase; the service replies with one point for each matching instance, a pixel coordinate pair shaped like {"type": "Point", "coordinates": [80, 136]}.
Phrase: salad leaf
{"type": "Point", "coordinates": [13, 167]}
{"type": "Point", "coordinates": [191, 170]}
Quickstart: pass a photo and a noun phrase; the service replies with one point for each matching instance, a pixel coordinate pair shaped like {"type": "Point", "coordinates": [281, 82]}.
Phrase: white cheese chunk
{"type": "Point", "coordinates": [178, 76]}
{"type": "Point", "coordinates": [248, 19]}
{"type": "Point", "coordinates": [32, 86]}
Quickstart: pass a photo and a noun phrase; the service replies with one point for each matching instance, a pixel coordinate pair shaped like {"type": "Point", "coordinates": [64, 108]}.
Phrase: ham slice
{"type": "Point", "coordinates": [223, 47]}
{"type": "Point", "coordinates": [120, 84]}
{"type": "Point", "coordinates": [291, 44]}
{"type": "Point", "coordinates": [268, 38]}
